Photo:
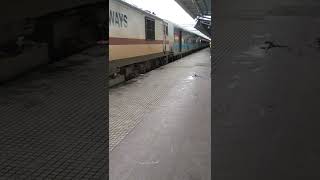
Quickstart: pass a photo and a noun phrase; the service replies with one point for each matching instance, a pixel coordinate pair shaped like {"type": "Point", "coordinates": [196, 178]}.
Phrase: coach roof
{"type": "Point", "coordinates": [138, 9]}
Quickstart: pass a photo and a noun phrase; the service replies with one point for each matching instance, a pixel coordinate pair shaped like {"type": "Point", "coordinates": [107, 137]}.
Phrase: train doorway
{"type": "Point", "coordinates": [165, 37]}
{"type": "Point", "coordinates": [180, 41]}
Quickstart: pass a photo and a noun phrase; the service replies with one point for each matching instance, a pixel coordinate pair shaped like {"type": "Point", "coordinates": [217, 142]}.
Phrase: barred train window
{"type": "Point", "coordinates": [150, 34]}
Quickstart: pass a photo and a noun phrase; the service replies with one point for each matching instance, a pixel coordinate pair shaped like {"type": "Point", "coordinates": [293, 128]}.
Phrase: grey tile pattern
{"type": "Point", "coordinates": [53, 121]}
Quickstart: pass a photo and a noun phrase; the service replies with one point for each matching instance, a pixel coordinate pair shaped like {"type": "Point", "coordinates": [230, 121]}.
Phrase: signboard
{"type": "Point", "coordinates": [118, 19]}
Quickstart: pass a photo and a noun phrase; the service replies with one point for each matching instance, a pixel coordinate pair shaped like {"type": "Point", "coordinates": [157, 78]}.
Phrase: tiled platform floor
{"type": "Point", "coordinates": [53, 121]}
{"type": "Point", "coordinates": [160, 123]}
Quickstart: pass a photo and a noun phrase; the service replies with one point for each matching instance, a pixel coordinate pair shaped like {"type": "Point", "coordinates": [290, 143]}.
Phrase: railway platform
{"type": "Point", "coordinates": [266, 90]}
{"type": "Point", "coordinates": [53, 124]}
{"type": "Point", "coordinates": [159, 122]}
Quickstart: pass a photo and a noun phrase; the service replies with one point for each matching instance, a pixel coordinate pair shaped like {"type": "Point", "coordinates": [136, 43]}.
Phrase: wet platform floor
{"type": "Point", "coordinates": [53, 121]}
{"type": "Point", "coordinates": [159, 123]}
{"type": "Point", "coordinates": [265, 102]}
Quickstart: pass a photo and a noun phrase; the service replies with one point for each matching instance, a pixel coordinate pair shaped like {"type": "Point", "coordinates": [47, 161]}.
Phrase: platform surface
{"type": "Point", "coordinates": [160, 123]}
{"type": "Point", "coordinates": [265, 102]}
{"type": "Point", "coordinates": [53, 122]}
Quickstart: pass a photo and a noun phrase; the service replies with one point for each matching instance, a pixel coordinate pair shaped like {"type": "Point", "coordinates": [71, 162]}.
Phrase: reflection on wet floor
{"type": "Point", "coordinates": [190, 78]}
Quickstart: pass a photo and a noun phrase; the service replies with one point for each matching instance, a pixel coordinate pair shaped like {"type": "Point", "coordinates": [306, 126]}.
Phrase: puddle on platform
{"type": "Point", "coordinates": [261, 36]}
{"type": "Point", "coordinates": [255, 52]}
{"type": "Point", "coordinates": [194, 76]}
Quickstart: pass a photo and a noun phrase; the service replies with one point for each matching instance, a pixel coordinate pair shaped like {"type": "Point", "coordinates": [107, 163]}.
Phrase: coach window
{"type": "Point", "coordinates": [150, 34]}
{"type": "Point", "coordinates": [166, 30]}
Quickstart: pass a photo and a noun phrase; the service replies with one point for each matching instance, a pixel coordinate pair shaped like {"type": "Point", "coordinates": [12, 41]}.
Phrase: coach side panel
{"type": "Point", "coordinates": [127, 33]}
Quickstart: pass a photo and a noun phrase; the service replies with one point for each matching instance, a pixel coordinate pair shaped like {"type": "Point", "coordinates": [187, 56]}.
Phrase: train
{"type": "Point", "coordinates": [38, 32]}
{"type": "Point", "coordinates": [140, 41]}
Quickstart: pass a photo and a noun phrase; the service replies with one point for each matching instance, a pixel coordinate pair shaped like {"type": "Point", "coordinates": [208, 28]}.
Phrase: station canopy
{"type": "Point", "coordinates": [200, 10]}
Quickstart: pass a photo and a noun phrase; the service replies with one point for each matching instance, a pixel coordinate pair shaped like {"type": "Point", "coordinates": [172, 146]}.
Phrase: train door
{"type": "Point", "coordinates": [180, 41]}
{"type": "Point", "coordinates": [44, 32]}
{"type": "Point", "coordinates": [165, 36]}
